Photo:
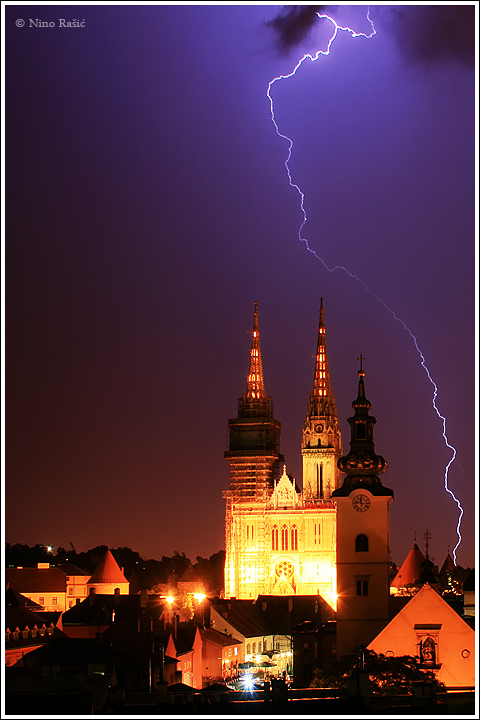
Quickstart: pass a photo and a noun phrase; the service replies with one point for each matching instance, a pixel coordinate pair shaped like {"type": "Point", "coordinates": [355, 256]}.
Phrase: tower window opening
{"type": "Point", "coordinates": [284, 537]}
{"type": "Point", "coordinates": [362, 588]}
{"type": "Point", "coordinates": [361, 434]}
{"type": "Point", "coordinates": [361, 543]}
{"type": "Point", "coordinates": [319, 479]}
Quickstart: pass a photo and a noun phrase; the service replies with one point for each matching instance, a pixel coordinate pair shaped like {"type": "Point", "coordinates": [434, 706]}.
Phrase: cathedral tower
{"type": "Point", "coordinates": [363, 550]}
{"type": "Point", "coordinates": [254, 442]}
{"type": "Point", "coordinates": [321, 438]}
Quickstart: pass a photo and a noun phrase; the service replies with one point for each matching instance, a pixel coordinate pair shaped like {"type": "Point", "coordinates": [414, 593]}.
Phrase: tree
{"type": "Point", "coordinates": [388, 675]}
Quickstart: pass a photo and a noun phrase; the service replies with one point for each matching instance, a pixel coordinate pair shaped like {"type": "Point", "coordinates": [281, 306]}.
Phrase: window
{"type": "Point", "coordinates": [41, 601]}
{"type": "Point", "coordinates": [361, 543]}
{"type": "Point", "coordinates": [361, 431]}
{"type": "Point", "coordinates": [7, 635]}
{"type": "Point", "coordinates": [15, 635]}
{"type": "Point", "coordinates": [70, 590]}
{"type": "Point", "coordinates": [294, 538]}
{"type": "Point", "coordinates": [25, 634]}
{"type": "Point", "coordinates": [319, 479]}
{"type": "Point", "coordinates": [70, 603]}
{"type": "Point", "coordinates": [54, 600]}
{"type": "Point", "coordinates": [34, 632]}
{"type": "Point", "coordinates": [275, 538]}
{"type": "Point", "coordinates": [254, 649]}
{"type": "Point", "coordinates": [284, 537]}
{"type": "Point", "coordinates": [362, 588]}
{"type": "Point", "coordinates": [248, 648]}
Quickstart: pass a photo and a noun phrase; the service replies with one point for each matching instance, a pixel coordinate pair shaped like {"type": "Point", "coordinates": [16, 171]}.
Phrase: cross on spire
{"type": "Point", "coordinates": [427, 536]}
{"type": "Point", "coordinates": [361, 358]}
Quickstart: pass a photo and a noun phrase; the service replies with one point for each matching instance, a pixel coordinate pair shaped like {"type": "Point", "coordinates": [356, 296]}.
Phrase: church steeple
{"type": "Point", "coordinates": [254, 436]}
{"type": "Point", "coordinates": [322, 401]}
{"type": "Point", "coordinates": [255, 399]}
{"type": "Point", "coordinates": [321, 440]}
{"type": "Point", "coordinates": [362, 465]}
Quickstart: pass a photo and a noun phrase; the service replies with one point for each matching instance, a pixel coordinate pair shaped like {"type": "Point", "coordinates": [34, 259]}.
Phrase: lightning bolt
{"type": "Point", "coordinates": [335, 29]}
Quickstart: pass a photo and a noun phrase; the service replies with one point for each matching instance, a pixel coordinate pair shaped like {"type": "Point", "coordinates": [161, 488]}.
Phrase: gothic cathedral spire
{"type": "Point", "coordinates": [321, 440]}
{"type": "Point", "coordinates": [255, 399]}
{"type": "Point", "coordinates": [254, 435]}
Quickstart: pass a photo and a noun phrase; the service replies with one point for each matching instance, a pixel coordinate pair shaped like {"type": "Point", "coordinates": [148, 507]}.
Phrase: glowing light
{"type": "Point", "coordinates": [50, 548]}
{"type": "Point", "coordinates": [199, 597]}
{"type": "Point", "coordinates": [170, 599]}
{"type": "Point", "coordinates": [247, 683]}
{"type": "Point", "coordinates": [313, 58]}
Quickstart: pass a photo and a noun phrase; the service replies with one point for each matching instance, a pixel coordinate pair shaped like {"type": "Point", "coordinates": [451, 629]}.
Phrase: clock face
{"type": "Point", "coordinates": [361, 503]}
{"type": "Point", "coordinates": [318, 428]}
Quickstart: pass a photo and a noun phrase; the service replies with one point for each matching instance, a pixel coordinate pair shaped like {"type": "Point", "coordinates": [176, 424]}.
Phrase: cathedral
{"type": "Point", "coordinates": [283, 540]}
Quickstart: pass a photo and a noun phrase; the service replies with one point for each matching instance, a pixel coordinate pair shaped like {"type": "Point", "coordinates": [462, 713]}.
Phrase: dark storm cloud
{"type": "Point", "coordinates": [435, 33]}
{"type": "Point", "coordinates": [293, 24]}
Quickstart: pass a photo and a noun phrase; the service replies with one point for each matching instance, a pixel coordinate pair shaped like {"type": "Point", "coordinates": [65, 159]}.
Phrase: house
{"type": "Point", "coordinates": [45, 585]}
{"type": "Point", "coordinates": [244, 620]}
{"type": "Point", "coordinates": [221, 655]}
{"type": "Point", "coordinates": [429, 629]}
{"type": "Point", "coordinates": [76, 583]}
{"type": "Point", "coordinates": [185, 645]}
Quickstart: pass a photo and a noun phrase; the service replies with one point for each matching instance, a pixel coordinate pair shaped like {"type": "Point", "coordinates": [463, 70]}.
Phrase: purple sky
{"type": "Point", "coordinates": [148, 207]}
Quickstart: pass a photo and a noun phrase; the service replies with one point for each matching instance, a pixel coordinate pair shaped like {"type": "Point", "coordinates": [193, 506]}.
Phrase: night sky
{"type": "Point", "coordinates": [148, 207]}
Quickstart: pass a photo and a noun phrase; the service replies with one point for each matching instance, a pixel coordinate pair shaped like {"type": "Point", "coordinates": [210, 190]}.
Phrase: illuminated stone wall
{"type": "Point", "coordinates": [286, 546]}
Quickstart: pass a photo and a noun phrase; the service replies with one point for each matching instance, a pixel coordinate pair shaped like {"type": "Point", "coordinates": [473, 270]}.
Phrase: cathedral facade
{"type": "Point", "coordinates": [280, 539]}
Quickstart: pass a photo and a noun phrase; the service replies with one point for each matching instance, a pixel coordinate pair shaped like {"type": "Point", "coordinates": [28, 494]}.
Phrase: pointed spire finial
{"type": "Point", "coordinates": [322, 319]}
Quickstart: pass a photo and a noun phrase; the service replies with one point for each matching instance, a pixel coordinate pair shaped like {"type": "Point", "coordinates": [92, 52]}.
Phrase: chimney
{"type": "Point", "coordinates": [77, 601]}
{"type": "Point", "coordinates": [91, 596]}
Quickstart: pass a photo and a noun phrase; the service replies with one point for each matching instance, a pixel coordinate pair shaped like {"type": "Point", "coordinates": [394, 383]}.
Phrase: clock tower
{"type": "Point", "coordinates": [363, 547]}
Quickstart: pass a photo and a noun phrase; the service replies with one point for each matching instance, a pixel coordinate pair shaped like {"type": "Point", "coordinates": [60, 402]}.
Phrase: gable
{"type": "Point", "coordinates": [428, 618]}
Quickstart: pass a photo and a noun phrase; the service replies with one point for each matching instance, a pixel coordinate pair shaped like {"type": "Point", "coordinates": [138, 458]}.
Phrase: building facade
{"type": "Point", "coordinates": [281, 540]}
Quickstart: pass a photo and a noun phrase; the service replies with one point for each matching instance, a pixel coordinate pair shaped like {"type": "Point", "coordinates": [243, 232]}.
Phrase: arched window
{"type": "Point", "coordinates": [248, 648]}
{"type": "Point", "coordinates": [294, 535]}
{"type": "Point", "coordinates": [360, 431]}
{"type": "Point", "coordinates": [254, 649]}
{"type": "Point", "coordinates": [361, 543]}
{"type": "Point", "coordinates": [284, 537]}
{"type": "Point", "coordinates": [275, 538]}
